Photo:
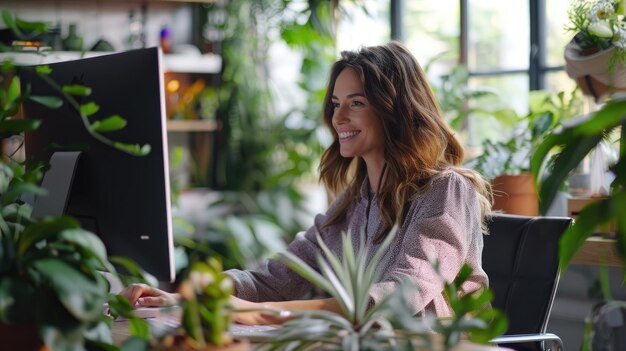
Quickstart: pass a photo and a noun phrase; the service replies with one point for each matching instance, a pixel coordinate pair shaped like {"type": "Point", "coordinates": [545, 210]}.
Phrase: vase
{"type": "Point", "coordinates": [73, 42]}
{"type": "Point", "coordinates": [515, 194]}
{"type": "Point", "coordinates": [590, 70]}
{"type": "Point", "coordinates": [21, 337]}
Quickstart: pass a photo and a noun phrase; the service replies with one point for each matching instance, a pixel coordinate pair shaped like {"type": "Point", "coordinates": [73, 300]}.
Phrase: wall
{"type": "Point", "coordinates": [101, 19]}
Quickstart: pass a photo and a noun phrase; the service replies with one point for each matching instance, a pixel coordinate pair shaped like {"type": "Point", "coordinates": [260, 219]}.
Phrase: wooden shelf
{"type": "Point", "coordinates": [34, 58]}
{"type": "Point", "coordinates": [192, 126]}
{"type": "Point", "coordinates": [181, 63]}
{"type": "Point", "coordinates": [207, 63]}
{"type": "Point", "coordinates": [599, 251]}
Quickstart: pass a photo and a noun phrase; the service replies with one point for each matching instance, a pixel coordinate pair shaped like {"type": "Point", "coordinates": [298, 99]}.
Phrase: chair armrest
{"type": "Point", "coordinates": [523, 338]}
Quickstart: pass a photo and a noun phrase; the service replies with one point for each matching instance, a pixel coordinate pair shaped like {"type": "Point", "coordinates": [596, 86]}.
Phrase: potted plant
{"type": "Point", "coordinates": [596, 55]}
{"type": "Point", "coordinates": [458, 102]}
{"type": "Point", "coordinates": [388, 325]}
{"type": "Point", "coordinates": [573, 143]}
{"type": "Point", "coordinates": [51, 291]}
{"type": "Point", "coordinates": [507, 163]}
{"type": "Point", "coordinates": [206, 312]}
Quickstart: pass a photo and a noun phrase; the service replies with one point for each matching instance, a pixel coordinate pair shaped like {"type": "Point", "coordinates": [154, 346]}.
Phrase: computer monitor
{"type": "Point", "coordinates": [124, 199]}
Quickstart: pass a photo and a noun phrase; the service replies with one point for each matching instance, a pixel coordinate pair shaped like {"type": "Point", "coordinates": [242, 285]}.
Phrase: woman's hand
{"type": "Point", "coordinates": [146, 296]}
{"type": "Point", "coordinates": [260, 313]}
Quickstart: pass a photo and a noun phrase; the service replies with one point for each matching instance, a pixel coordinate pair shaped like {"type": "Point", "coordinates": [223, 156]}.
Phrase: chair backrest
{"type": "Point", "coordinates": [521, 259]}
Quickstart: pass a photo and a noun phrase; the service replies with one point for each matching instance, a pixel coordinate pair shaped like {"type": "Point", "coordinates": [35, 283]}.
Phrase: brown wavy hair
{"type": "Point", "coordinates": [418, 143]}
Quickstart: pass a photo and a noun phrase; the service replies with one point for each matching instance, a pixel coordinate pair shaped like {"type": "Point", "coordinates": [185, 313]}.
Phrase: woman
{"type": "Point", "coordinates": [395, 161]}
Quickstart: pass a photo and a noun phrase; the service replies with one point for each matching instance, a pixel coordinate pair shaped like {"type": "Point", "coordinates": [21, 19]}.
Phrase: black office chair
{"type": "Point", "coordinates": [521, 259]}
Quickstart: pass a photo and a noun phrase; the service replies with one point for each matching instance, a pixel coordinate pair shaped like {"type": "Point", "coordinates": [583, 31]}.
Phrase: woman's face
{"type": "Point", "coordinates": [360, 130]}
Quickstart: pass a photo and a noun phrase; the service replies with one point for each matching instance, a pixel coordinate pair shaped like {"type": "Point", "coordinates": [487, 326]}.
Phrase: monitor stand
{"type": "Point", "coordinates": [57, 181]}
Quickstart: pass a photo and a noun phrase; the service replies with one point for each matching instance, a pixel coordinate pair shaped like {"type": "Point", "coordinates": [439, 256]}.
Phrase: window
{"type": "Point", "coordinates": [509, 47]}
{"type": "Point", "coordinates": [360, 28]}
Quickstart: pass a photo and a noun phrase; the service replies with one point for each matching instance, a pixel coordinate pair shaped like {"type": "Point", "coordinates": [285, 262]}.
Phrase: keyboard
{"type": "Point", "coordinates": [165, 320]}
{"type": "Point", "coordinates": [254, 333]}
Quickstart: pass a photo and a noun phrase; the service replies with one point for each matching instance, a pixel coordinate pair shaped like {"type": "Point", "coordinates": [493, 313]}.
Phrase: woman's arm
{"type": "Point", "coordinates": [282, 309]}
{"type": "Point", "coordinates": [273, 280]}
{"type": "Point", "coordinates": [264, 312]}
{"type": "Point", "coordinates": [143, 295]}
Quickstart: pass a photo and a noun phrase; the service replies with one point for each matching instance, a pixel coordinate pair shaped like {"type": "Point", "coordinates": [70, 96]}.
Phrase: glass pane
{"type": "Point", "coordinates": [431, 30]}
{"type": "Point", "coordinates": [557, 36]}
{"type": "Point", "coordinates": [357, 28]}
{"type": "Point", "coordinates": [498, 34]}
{"type": "Point", "coordinates": [559, 81]}
{"type": "Point", "coordinates": [512, 91]}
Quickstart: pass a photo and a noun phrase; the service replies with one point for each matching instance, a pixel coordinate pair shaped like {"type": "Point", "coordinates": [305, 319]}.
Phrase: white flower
{"type": "Point", "coordinates": [620, 38]}
{"type": "Point", "coordinates": [601, 29]}
{"type": "Point", "coordinates": [226, 284]}
{"type": "Point", "coordinates": [602, 10]}
{"type": "Point", "coordinates": [200, 280]}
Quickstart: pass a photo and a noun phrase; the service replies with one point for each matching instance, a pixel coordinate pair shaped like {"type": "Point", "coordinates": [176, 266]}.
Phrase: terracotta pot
{"type": "Point", "coordinates": [22, 337]}
{"type": "Point", "coordinates": [515, 195]}
{"type": "Point", "coordinates": [590, 70]}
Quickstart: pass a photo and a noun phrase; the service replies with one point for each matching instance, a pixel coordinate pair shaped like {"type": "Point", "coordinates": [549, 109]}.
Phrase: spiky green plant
{"type": "Point", "coordinates": [387, 325]}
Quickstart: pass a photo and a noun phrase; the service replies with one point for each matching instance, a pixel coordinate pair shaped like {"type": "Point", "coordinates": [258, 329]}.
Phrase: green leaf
{"type": "Point", "coordinates": [77, 90]}
{"type": "Point", "coordinates": [9, 21]}
{"type": "Point", "coordinates": [51, 102]}
{"type": "Point", "coordinates": [89, 109]}
{"type": "Point", "coordinates": [335, 273]}
{"type": "Point", "coordinates": [16, 300]}
{"type": "Point", "coordinates": [609, 116]}
{"type": "Point", "coordinates": [464, 273]}
{"type": "Point", "coordinates": [43, 69]}
{"type": "Point", "coordinates": [109, 124]}
{"type": "Point", "coordinates": [133, 149]}
{"type": "Point", "coordinates": [139, 328]}
{"type": "Point", "coordinates": [17, 189]}
{"type": "Point", "coordinates": [135, 344]}
{"type": "Point", "coordinates": [497, 325]}
{"type": "Point", "coordinates": [574, 237]}
{"type": "Point", "coordinates": [15, 210]}
{"type": "Point", "coordinates": [300, 267]}
{"type": "Point", "coordinates": [13, 92]}
{"type": "Point", "coordinates": [63, 338]}
{"type": "Point", "coordinates": [619, 169]}
{"type": "Point", "coordinates": [37, 27]}
{"type": "Point", "coordinates": [100, 334]}
{"type": "Point", "coordinates": [338, 290]}
{"type": "Point", "coordinates": [575, 149]}
{"type": "Point", "coordinates": [191, 321]}
{"type": "Point", "coordinates": [137, 274]}
{"type": "Point", "coordinates": [371, 268]}
{"type": "Point", "coordinates": [88, 241]}
{"type": "Point", "coordinates": [43, 229]}
{"type": "Point", "coordinates": [19, 125]}
{"type": "Point", "coordinates": [81, 296]}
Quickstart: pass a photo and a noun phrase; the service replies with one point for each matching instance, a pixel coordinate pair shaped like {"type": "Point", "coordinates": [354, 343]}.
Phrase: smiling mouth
{"type": "Point", "coordinates": [346, 135]}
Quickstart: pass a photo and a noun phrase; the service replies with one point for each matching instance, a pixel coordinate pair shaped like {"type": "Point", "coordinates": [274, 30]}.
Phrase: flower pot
{"type": "Point", "coordinates": [591, 71]}
{"type": "Point", "coordinates": [21, 337]}
{"type": "Point", "coordinates": [515, 194]}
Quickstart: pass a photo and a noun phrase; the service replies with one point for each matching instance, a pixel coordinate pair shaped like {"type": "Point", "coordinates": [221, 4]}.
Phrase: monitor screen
{"type": "Point", "coordinates": [123, 198]}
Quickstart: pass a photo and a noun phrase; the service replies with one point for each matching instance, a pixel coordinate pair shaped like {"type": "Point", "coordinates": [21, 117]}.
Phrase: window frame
{"type": "Point", "coordinates": [537, 70]}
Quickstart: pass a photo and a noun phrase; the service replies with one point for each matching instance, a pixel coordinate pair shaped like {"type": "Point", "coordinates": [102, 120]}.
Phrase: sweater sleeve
{"type": "Point", "coordinates": [275, 281]}
{"type": "Point", "coordinates": [439, 227]}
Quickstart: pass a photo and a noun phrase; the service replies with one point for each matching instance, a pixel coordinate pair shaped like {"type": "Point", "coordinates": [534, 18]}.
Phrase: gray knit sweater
{"type": "Point", "coordinates": [442, 223]}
